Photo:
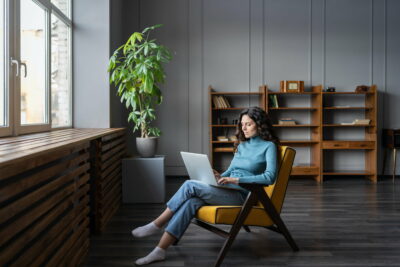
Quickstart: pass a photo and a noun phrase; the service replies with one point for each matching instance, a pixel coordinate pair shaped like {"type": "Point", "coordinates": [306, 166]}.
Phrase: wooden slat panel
{"type": "Point", "coordinates": [112, 162]}
{"type": "Point", "coordinates": [44, 219]}
{"type": "Point", "coordinates": [106, 180]}
{"type": "Point", "coordinates": [112, 168]}
{"type": "Point", "coordinates": [33, 231]}
{"type": "Point", "coordinates": [46, 241]}
{"type": "Point", "coordinates": [110, 195]}
{"type": "Point", "coordinates": [108, 137]}
{"type": "Point", "coordinates": [54, 251]}
{"type": "Point", "coordinates": [43, 150]}
{"type": "Point", "coordinates": [24, 202]}
{"type": "Point", "coordinates": [67, 239]}
{"type": "Point", "coordinates": [10, 230]}
{"type": "Point", "coordinates": [82, 249]}
{"type": "Point", "coordinates": [112, 181]}
{"type": "Point", "coordinates": [17, 168]}
{"type": "Point", "coordinates": [112, 152]}
{"type": "Point", "coordinates": [23, 184]}
{"type": "Point", "coordinates": [113, 143]}
{"type": "Point", "coordinates": [114, 207]}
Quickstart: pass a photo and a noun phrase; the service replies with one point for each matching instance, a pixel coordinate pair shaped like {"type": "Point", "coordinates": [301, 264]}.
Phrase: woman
{"type": "Point", "coordinates": [254, 162]}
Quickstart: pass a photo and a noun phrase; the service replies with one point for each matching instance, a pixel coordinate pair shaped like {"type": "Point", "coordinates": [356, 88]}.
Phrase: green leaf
{"type": "Point", "coordinates": [152, 28]}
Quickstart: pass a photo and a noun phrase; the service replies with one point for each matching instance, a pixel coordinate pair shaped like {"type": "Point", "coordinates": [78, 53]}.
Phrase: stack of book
{"type": "Point", "coordinates": [220, 102]}
{"type": "Point", "coordinates": [357, 122]}
{"type": "Point", "coordinates": [287, 121]}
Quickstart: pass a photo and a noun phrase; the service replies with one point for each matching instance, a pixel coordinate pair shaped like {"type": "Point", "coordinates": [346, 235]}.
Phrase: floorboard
{"type": "Point", "coordinates": [344, 222]}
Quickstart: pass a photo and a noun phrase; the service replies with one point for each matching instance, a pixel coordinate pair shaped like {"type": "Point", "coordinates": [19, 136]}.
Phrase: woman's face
{"type": "Point", "coordinates": [249, 127]}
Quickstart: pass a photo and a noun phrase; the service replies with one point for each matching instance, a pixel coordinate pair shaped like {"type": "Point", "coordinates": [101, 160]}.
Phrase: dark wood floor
{"type": "Point", "coordinates": [344, 222]}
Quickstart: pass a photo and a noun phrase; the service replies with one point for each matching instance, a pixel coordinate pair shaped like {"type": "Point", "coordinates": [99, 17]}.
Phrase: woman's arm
{"type": "Point", "coordinates": [269, 175]}
{"type": "Point", "coordinates": [227, 173]}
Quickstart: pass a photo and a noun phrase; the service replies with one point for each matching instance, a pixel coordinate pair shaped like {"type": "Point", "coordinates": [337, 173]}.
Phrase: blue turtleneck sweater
{"type": "Point", "coordinates": [254, 162]}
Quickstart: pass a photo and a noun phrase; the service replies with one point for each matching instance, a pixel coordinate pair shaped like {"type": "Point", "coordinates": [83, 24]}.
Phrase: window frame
{"type": "Point", "coordinates": [8, 94]}
{"type": "Point", "coordinates": [13, 83]}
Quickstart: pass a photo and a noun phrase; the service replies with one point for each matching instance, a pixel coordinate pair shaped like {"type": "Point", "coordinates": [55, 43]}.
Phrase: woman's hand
{"type": "Point", "coordinates": [217, 175]}
{"type": "Point", "coordinates": [228, 180]}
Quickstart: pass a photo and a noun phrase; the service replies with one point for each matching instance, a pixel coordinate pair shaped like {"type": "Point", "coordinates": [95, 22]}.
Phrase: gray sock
{"type": "Point", "coordinates": [146, 230]}
{"type": "Point", "coordinates": [158, 254]}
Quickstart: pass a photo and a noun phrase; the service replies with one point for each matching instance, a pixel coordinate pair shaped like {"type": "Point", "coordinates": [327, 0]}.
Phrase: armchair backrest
{"type": "Point", "coordinates": [277, 191]}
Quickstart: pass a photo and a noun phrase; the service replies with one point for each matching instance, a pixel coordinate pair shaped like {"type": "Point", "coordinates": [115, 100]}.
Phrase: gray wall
{"type": "Point", "coordinates": [237, 45]}
{"type": "Point", "coordinates": [122, 12]}
{"type": "Point", "coordinates": [91, 46]}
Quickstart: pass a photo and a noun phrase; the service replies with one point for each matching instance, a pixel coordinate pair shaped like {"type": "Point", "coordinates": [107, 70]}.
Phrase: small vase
{"type": "Point", "coordinates": [146, 147]}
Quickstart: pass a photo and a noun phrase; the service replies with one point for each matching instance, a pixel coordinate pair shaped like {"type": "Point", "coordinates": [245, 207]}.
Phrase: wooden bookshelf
{"type": "Point", "coordinates": [367, 146]}
{"type": "Point", "coordinates": [314, 110]}
{"type": "Point", "coordinates": [318, 109]}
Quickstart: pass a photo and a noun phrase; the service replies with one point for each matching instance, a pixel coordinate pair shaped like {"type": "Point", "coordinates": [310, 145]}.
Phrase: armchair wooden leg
{"type": "Point", "coordinates": [276, 218]}
{"type": "Point", "coordinates": [246, 228]}
{"type": "Point", "coordinates": [244, 212]}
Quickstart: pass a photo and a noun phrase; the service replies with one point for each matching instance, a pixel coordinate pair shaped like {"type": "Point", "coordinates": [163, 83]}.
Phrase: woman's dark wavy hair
{"type": "Point", "coordinates": [263, 122]}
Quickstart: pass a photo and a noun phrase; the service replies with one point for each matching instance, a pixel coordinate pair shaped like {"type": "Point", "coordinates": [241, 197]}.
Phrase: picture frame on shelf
{"type": "Point", "coordinates": [292, 86]}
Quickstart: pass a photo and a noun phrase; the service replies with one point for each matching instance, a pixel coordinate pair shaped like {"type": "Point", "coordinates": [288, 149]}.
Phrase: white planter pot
{"type": "Point", "coordinates": [146, 147]}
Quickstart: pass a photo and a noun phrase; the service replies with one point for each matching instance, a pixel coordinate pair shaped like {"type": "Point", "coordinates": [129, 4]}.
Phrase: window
{"type": "Point", "coordinates": [35, 92]}
{"type": "Point", "coordinates": [2, 56]}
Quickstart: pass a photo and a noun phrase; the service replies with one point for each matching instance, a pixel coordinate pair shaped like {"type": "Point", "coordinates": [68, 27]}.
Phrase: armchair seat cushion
{"type": "Point", "coordinates": [228, 214]}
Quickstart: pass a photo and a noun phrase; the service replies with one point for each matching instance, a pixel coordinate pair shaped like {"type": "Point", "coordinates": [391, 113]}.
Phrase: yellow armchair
{"type": "Point", "coordinates": [261, 208]}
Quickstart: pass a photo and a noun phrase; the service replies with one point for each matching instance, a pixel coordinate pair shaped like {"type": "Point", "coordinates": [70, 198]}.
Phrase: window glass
{"type": "Point", "coordinates": [60, 73]}
{"type": "Point", "coordinates": [63, 5]}
{"type": "Point", "coordinates": [2, 56]}
{"type": "Point", "coordinates": [33, 63]}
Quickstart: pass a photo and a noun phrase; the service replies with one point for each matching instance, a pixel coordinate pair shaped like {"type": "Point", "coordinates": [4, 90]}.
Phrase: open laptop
{"type": "Point", "coordinates": [199, 168]}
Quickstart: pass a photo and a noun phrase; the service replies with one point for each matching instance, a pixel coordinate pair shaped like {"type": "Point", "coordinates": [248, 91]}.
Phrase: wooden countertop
{"type": "Point", "coordinates": [21, 148]}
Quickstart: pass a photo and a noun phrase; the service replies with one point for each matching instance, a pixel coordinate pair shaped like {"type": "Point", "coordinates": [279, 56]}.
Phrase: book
{"type": "Point", "coordinates": [221, 101]}
{"type": "Point", "coordinates": [361, 121]}
{"type": "Point", "coordinates": [287, 122]}
{"type": "Point", "coordinates": [274, 101]}
{"type": "Point", "coordinates": [215, 101]}
{"type": "Point", "coordinates": [226, 102]}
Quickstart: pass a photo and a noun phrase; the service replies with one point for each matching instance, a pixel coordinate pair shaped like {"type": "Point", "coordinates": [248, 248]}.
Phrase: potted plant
{"type": "Point", "coordinates": [136, 71]}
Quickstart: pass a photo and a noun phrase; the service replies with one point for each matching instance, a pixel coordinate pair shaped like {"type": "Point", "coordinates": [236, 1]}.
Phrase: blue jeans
{"type": "Point", "coordinates": [190, 197]}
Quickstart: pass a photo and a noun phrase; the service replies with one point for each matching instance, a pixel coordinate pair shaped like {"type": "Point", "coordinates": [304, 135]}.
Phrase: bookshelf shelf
{"type": "Point", "coordinates": [348, 93]}
{"type": "Point", "coordinates": [289, 142]}
{"type": "Point", "coordinates": [294, 108]}
{"type": "Point", "coordinates": [229, 108]}
{"type": "Point", "coordinates": [292, 93]}
{"type": "Point", "coordinates": [222, 142]}
{"type": "Point", "coordinates": [305, 170]}
{"type": "Point", "coordinates": [348, 125]}
{"type": "Point", "coordinates": [237, 93]}
{"type": "Point", "coordinates": [296, 125]}
{"type": "Point", "coordinates": [347, 108]}
{"type": "Point", "coordinates": [223, 149]}
{"type": "Point", "coordinates": [347, 172]}
{"type": "Point", "coordinates": [223, 125]}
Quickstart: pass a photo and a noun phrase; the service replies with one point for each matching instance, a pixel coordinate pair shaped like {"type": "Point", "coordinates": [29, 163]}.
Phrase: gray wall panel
{"type": "Point", "coordinates": [237, 45]}
{"type": "Point", "coordinates": [287, 41]}
{"type": "Point", "coordinates": [392, 94]}
{"type": "Point", "coordinates": [172, 114]}
{"type": "Point", "coordinates": [347, 43]}
{"type": "Point", "coordinates": [90, 58]}
{"type": "Point", "coordinates": [226, 44]}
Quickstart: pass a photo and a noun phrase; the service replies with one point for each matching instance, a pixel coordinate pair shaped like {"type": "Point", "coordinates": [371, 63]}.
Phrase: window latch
{"type": "Point", "coordinates": [19, 64]}
{"type": "Point", "coordinates": [15, 62]}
